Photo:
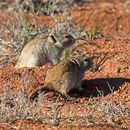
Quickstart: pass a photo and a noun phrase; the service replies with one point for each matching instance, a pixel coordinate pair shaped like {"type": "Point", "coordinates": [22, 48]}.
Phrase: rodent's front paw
{"type": "Point", "coordinates": [80, 88]}
{"type": "Point", "coordinates": [73, 92]}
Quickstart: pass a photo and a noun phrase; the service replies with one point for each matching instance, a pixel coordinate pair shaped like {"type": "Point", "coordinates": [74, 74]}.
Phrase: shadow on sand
{"type": "Point", "coordinates": [90, 86]}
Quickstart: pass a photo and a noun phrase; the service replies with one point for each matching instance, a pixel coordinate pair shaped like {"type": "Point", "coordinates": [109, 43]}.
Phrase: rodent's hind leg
{"type": "Point", "coordinates": [32, 62]}
{"type": "Point", "coordinates": [36, 93]}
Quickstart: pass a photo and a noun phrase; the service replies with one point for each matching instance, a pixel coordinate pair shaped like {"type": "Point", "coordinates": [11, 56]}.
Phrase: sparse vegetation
{"type": "Point", "coordinates": [18, 106]}
{"type": "Point", "coordinates": [24, 23]}
{"type": "Point", "coordinates": [94, 33]}
{"type": "Point", "coordinates": [110, 109]}
{"type": "Point", "coordinates": [23, 31]}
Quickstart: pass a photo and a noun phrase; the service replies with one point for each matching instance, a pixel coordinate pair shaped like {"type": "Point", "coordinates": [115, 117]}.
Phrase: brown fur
{"type": "Point", "coordinates": [66, 75]}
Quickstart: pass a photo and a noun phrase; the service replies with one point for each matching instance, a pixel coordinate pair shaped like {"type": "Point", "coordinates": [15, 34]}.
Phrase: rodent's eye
{"type": "Point", "coordinates": [67, 36]}
{"type": "Point", "coordinates": [86, 60]}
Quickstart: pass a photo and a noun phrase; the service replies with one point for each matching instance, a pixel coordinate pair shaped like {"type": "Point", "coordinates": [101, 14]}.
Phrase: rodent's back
{"type": "Point", "coordinates": [34, 53]}
{"type": "Point", "coordinates": [36, 45]}
{"type": "Point", "coordinates": [57, 71]}
{"type": "Point", "coordinates": [61, 76]}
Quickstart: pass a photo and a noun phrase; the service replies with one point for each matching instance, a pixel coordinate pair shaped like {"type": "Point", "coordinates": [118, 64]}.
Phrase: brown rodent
{"type": "Point", "coordinates": [66, 75]}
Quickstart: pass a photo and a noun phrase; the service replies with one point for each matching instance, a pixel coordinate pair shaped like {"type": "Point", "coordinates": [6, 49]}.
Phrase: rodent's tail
{"type": "Point", "coordinates": [37, 92]}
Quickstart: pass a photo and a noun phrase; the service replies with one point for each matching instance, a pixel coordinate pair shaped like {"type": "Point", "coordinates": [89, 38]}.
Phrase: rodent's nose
{"type": "Point", "coordinates": [90, 61]}
{"type": "Point", "coordinates": [73, 39]}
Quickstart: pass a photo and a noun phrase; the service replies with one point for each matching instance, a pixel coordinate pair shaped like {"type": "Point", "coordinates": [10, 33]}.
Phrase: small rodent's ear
{"type": "Point", "coordinates": [52, 38]}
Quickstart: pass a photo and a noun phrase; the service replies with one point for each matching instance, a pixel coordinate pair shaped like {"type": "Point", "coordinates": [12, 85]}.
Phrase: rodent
{"type": "Point", "coordinates": [40, 51]}
{"type": "Point", "coordinates": [66, 75]}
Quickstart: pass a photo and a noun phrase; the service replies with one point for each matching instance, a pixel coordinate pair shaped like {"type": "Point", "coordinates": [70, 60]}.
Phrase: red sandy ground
{"type": "Point", "coordinates": [114, 21]}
